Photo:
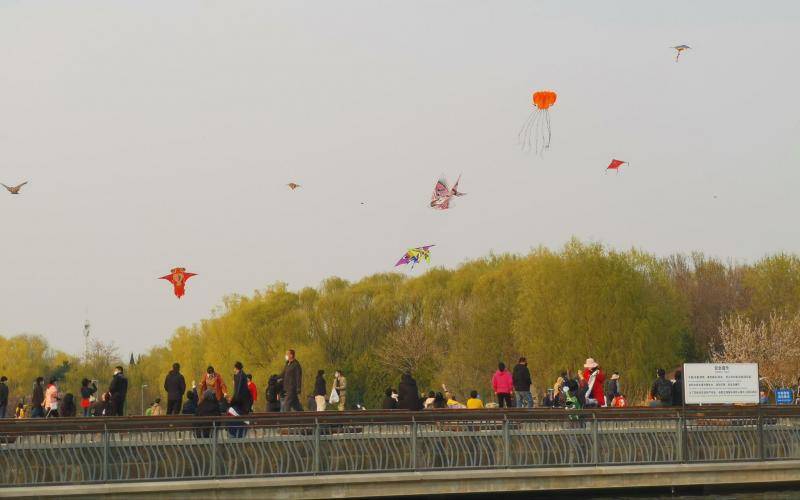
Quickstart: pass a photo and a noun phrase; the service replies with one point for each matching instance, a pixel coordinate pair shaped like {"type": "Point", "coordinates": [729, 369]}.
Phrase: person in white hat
{"type": "Point", "coordinates": [594, 383]}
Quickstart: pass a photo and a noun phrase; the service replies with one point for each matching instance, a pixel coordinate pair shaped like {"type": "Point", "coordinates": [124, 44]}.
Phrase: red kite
{"type": "Point", "coordinates": [178, 277]}
{"type": "Point", "coordinates": [615, 164]}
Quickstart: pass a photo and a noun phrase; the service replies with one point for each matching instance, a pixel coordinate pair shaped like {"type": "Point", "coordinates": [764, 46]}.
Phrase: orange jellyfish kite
{"type": "Point", "coordinates": [178, 276]}
{"type": "Point", "coordinates": [535, 133]}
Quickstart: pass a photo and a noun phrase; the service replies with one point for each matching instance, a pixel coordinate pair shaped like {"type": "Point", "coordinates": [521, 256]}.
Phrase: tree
{"type": "Point", "coordinates": [774, 344]}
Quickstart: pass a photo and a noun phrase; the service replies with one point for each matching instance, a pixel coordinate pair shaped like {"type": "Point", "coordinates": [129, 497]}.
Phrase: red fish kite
{"type": "Point", "coordinates": [615, 164]}
{"type": "Point", "coordinates": [178, 277]}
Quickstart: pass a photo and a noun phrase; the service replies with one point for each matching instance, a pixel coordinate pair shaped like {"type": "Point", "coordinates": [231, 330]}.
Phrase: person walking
{"type": "Point", "coordinates": [595, 379]}
{"type": "Point", "coordinates": [37, 398]}
{"type": "Point", "coordinates": [241, 400]}
{"type": "Point", "coordinates": [118, 389]}
{"type": "Point", "coordinates": [408, 393]}
{"type": "Point", "coordinates": [320, 390]}
{"type": "Point", "coordinates": [87, 394]}
{"type": "Point", "coordinates": [522, 384]}
{"type": "Point", "coordinates": [3, 396]}
{"type": "Point", "coordinates": [51, 398]}
{"type": "Point", "coordinates": [213, 381]}
{"type": "Point", "coordinates": [661, 391]}
{"type": "Point", "coordinates": [292, 383]}
{"type": "Point", "coordinates": [175, 385]}
{"type": "Point", "coordinates": [503, 385]}
{"type": "Point", "coordinates": [677, 389]}
{"type": "Point", "coordinates": [611, 389]}
{"type": "Point", "coordinates": [340, 384]}
{"type": "Point", "coordinates": [251, 386]}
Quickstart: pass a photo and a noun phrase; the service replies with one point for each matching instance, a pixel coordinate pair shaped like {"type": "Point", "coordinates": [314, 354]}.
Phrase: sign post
{"type": "Point", "coordinates": [720, 383]}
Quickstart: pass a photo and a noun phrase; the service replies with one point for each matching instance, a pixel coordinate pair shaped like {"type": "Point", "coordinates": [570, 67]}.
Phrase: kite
{"type": "Point", "coordinates": [615, 164]}
{"type": "Point", "coordinates": [414, 255]}
{"type": "Point", "coordinates": [679, 49]}
{"type": "Point", "coordinates": [293, 186]}
{"type": "Point", "coordinates": [14, 189]}
{"type": "Point", "coordinates": [535, 133]}
{"type": "Point", "coordinates": [440, 200]}
{"type": "Point", "coordinates": [178, 277]}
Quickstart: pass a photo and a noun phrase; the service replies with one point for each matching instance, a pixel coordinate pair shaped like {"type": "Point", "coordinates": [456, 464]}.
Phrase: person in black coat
{"type": "Point", "coordinates": [208, 407]}
{"type": "Point", "coordinates": [521, 378]}
{"type": "Point", "coordinates": [175, 385]}
{"type": "Point", "coordinates": [677, 389]}
{"type": "Point", "coordinates": [3, 396]}
{"type": "Point", "coordinates": [241, 400]}
{"type": "Point", "coordinates": [118, 390]}
{"type": "Point", "coordinates": [67, 406]}
{"type": "Point", "coordinates": [274, 389]}
{"type": "Point", "coordinates": [37, 399]}
{"type": "Point", "coordinates": [190, 408]}
{"type": "Point", "coordinates": [292, 381]}
{"type": "Point", "coordinates": [408, 393]}
{"type": "Point", "coordinates": [390, 401]}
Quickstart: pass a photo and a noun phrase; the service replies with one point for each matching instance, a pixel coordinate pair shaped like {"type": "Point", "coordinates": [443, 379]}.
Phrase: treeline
{"type": "Point", "coordinates": [630, 310]}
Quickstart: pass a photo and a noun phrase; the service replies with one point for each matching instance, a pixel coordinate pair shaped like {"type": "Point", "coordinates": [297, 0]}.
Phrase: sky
{"type": "Point", "coordinates": [161, 134]}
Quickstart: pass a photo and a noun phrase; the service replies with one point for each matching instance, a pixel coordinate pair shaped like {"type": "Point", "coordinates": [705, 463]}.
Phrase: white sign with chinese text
{"type": "Point", "coordinates": [720, 383]}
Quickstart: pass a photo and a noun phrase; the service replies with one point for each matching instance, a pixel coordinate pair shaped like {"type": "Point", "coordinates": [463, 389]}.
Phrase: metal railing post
{"type": "Point", "coordinates": [413, 444]}
{"type": "Point", "coordinates": [595, 440]}
{"type": "Point", "coordinates": [762, 450]}
{"type": "Point", "coordinates": [679, 430]}
{"type": "Point", "coordinates": [104, 467]}
{"type": "Point", "coordinates": [214, 449]}
{"type": "Point", "coordinates": [506, 442]}
{"type": "Point", "coordinates": [316, 445]}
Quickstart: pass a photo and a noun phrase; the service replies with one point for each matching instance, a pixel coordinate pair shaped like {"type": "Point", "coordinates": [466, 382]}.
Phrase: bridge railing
{"type": "Point", "coordinates": [96, 450]}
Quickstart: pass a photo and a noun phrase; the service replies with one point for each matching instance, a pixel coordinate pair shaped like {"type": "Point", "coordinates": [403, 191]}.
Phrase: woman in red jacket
{"type": "Point", "coordinates": [594, 383]}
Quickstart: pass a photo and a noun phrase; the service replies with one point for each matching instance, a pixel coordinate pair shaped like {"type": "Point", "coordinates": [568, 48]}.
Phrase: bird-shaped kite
{"type": "Point", "coordinates": [440, 200]}
{"type": "Point", "coordinates": [14, 189]}
{"type": "Point", "coordinates": [535, 133]}
{"type": "Point", "coordinates": [414, 255]}
{"type": "Point", "coordinates": [679, 49]}
{"type": "Point", "coordinates": [615, 164]}
{"type": "Point", "coordinates": [293, 186]}
{"type": "Point", "coordinates": [178, 277]}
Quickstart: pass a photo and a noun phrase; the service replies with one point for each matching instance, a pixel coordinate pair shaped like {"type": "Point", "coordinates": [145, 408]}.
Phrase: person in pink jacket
{"type": "Point", "coordinates": [503, 386]}
{"type": "Point", "coordinates": [51, 398]}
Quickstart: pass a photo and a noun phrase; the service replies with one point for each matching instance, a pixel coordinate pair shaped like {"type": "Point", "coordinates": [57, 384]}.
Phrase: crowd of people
{"type": "Point", "coordinates": [588, 387]}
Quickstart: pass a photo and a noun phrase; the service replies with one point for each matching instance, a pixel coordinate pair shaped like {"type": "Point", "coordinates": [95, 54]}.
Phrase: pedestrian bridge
{"type": "Point", "coordinates": [315, 455]}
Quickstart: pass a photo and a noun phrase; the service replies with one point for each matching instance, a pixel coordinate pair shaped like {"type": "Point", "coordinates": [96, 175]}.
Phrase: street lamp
{"type": "Point", "coordinates": [142, 400]}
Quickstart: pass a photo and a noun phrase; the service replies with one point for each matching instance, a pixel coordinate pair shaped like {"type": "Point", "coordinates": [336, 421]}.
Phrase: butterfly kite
{"type": "Point", "coordinates": [535, 133]}
{"type": "Point", "coordinates": [442, 194]}
{"type": "Point", "coordinates": [679, 49]}
{"type": "Point", "coordinates": [615, 164]}
{"type": "Point", "coordinates": [178, 277]}
{"type": "Point", "coordinates": [414, 255]}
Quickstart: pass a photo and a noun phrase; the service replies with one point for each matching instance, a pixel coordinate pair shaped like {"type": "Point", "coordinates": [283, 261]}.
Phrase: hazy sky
{"type": "Point", "coordinates": [156, 134]}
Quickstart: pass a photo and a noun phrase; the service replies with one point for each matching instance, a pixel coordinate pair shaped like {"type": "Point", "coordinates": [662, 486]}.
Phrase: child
{"type": "Point", "coordinates": [474, 402]}
{"type": "Point", "coordinates": [20, 411]}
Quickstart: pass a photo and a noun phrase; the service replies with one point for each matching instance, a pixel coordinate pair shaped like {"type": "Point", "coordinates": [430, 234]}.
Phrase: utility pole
{"type": "Point", "coordinates": [86, 335]}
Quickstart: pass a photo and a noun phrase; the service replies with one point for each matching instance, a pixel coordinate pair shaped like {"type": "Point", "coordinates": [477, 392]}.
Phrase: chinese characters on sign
{"type": "Point", "coordinates": [720, 383]}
